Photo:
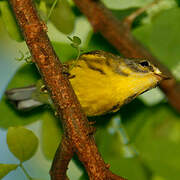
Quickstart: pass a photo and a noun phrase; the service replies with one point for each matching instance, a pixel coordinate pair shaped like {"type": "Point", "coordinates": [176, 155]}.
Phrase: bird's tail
{"type": "Point", "coordinates": [23, 98]}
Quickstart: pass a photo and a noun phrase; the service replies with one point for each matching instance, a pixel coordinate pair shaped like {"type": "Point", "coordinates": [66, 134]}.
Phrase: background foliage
{"type": "Point", "coordinates": [142, 140]}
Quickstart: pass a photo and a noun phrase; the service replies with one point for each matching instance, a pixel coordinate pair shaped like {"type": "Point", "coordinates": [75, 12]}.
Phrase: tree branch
{"type": "Point", "coordinates": [75, 123]}
{"type": "Point", "coordinates": [61, 160]}
{"type": "Point", "coordinates": [130, 19]}
{"type": "Point", "coordinates": [118, 34]}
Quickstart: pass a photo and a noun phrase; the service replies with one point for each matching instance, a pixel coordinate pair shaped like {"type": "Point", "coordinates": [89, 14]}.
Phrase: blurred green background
{"type": "Point", "coordinates": [142, 140]}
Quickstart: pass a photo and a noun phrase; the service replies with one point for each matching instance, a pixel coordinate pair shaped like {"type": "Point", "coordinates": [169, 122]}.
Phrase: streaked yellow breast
{"type": "Point", "coordinates": [100, 89]}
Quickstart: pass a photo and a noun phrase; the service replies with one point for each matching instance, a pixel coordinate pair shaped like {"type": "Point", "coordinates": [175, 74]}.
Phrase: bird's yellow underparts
{"type": "Point", "coordinates": [103, 82]}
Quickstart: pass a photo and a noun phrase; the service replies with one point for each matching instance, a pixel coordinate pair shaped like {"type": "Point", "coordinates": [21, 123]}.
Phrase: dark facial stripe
{"type": "Point", "coordinates": [133, 66]}
{"type": "Point", "coordinates": [90, 66]}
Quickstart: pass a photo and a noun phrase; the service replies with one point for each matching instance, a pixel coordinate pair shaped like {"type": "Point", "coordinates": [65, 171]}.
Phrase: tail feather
{"type": "Point", "coordinates": [18, 94]}
{"type": "Point", "coordinates": [28, 104]}
{"type": "Point", "coordinates": [22, 98]}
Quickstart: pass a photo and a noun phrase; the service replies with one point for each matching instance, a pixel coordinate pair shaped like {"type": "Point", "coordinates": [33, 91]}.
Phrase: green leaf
{"type": "Point", "coordinates": [76, 40]}
{"type": "Point", "coordinates": [97, 42]}
{"type": "Point", "coordinates": [156, 134]}
{"type": "Point", "coordinates": [152, 97]}
{"type": "Point", "coordinates": [113, 144]}
{"type": "Point", "coordinates": [178, 2]}
{"type": "Point", "coordinates": [161, 37]}
{"type": "Point", "coordinates": [6, 168]}
{"type": "Point", "coordinates": [10, 22]}
{"type": "Point", "coordinates": [157, 8]}
{"type": "Point", "coordinates": [49, 2]}
{"type": "Point", "coordinates": [62, 17]}
{"type": "Point", "coordinates": [84, 33]}
{"type": "Point", "coordinates": [25, 76]}
{"type": "Point", "coordinates": [64, 51]}
{"type": "Point", "coordinates": [69, 38]}
{"type": "Point", "coordinates": [125, 4]}
{"type": "Point", "coordinates": [156, 177]}
{"type": "Point", "coordinates": [51, 134]}
{"type": "Point", "coordinates": [83, 177]}
{"type": "Point", "coordinates": [74, 45]}
{"type": "Point", "coordinates": [22, 142]}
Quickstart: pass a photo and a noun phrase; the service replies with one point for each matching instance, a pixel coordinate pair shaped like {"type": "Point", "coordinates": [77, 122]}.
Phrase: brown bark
{"type": "Point", "coordinates": [75, 124]}
{"type": "Point", "coordinates": [61, 160]}
{"type": "Point", "coordinates": [119, 35]}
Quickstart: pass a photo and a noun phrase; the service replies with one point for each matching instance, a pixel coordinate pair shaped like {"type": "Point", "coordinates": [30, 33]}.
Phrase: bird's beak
{"type": "Point", "coordinates": [161, 76]}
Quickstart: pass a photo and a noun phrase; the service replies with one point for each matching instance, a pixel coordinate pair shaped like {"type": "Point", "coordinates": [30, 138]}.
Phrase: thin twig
{"type": "Point", "coordinates": [75, 124]}
{"type": "Point", "coordinates": [51, 9]}
{"type": "Point", "coordinates": [118, 34]}
{"type": "Point", "coordinates": [25, 172]}
{"type": "Point", "coordinates": [130, 19]}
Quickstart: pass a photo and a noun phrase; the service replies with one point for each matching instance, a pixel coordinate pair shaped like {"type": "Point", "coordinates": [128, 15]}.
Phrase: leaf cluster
{"type": "Point", "coordinates": [23, 144]}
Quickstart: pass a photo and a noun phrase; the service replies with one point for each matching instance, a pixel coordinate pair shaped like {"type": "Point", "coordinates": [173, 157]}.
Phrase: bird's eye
{"type": "Point", "coordinates": [144, 63]}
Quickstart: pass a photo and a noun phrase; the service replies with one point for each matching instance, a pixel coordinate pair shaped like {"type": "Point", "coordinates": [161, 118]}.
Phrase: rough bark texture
{"type": "Point", "coordinates": [75, 124]}
{"type": "Point", "coordinates": [119, 35]}
{"type": "Point", "coordinates": [63, 155]}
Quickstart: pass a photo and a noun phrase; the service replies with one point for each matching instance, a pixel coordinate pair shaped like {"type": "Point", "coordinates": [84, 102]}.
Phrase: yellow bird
{"type": "Point", "coordinates": [103, 82]}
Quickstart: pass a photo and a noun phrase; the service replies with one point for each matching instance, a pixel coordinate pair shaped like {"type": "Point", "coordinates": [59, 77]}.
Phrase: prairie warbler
{"type": "Point", "coordinates": [103, 82]}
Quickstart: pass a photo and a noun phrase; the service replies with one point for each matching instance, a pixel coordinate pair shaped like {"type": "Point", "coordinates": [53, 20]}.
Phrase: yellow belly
{"type": "Point", "coordinates": [96, 92]}
{"type": "Point", "coordinates": [101, 90]}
